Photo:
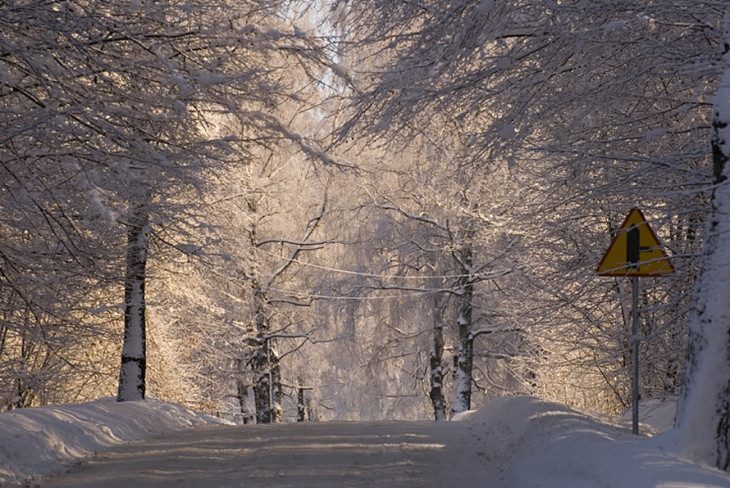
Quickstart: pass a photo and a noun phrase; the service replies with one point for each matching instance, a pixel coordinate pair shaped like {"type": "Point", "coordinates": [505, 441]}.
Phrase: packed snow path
{"type": "Point", "coordinates": [517, 442]}
{"type": "Point", "coordinates": [323, 454]}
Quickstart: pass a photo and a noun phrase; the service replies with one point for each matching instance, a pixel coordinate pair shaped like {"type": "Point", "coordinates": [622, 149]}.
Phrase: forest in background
{"type": "Point", "coordinates": [397, 205]}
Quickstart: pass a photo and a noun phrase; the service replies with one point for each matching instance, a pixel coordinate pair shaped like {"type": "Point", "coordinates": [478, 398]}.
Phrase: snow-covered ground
{"type": "Point", "coordinates": [40, 441]}
{"type": "Point", "coordinates": [513, 443]}
{"type": "Point", "coordinates": [656, 415]}
{"type": "Point", "coordinates": [554, 446]}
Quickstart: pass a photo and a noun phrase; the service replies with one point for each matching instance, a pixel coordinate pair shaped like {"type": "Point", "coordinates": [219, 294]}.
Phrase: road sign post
{"type": "Point", "coordinates": [635, 251]}
{"type": "Point", "coordinates": [635, 354]}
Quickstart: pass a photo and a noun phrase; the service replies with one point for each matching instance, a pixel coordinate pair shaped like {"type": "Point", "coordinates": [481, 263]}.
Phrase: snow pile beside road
{"type": "Point", "coordinates": [655, 415]}
{"type": "Point", "coordinates": [550, 445]}
{"type": "Point", "coordinates": [40, 441]}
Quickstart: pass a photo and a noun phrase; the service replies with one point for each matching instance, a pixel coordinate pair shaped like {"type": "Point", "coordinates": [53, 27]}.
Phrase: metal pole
{"type": "Point", "coordinates": [635, 355]}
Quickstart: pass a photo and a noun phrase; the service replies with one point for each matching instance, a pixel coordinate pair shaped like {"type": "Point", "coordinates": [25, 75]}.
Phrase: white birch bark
{"type": "Point", "coordinates": [703, 416]}
{"type": "Point", "coordinates": [465, 355]}
{"type": "Point", "coordinates": [134, 349]}
{"type": "Point", "coordinates": [436, 392]}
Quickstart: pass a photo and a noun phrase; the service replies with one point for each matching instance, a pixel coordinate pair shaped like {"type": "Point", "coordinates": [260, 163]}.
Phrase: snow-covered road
{"type": "Point", "coordinates": [368, 454]}
{"type": "Point", "coordinates": [517, 442]}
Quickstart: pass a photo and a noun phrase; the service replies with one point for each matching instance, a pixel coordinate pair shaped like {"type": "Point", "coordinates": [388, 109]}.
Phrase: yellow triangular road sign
{"type": "Point", "coordinates": [635, 251]}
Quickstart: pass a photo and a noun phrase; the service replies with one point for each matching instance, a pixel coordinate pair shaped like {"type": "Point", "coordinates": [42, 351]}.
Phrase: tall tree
{"type": "Point", "coordinates": [703, 418]}
{"type": "Point", "coordinates": [133, 105]}
{"type": "Point", "coordinates": [591, 106]}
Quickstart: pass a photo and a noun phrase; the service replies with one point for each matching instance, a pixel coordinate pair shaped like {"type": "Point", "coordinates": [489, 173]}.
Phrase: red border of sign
{"type": "Point", "coordinates": [613, 241]}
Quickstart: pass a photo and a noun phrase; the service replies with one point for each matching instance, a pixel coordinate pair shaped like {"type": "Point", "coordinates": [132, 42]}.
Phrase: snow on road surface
{"type": "Point", "coordinates": [514, 442]}
{"type": "Point", "coordinates": [323, 455]}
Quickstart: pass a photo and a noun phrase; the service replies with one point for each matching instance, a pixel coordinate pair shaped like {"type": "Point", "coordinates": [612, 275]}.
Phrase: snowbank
{"type": "Point", "coordinates": [550, 445]}
{"type": "Point", "coordinates": [655, 415]}
{"type": "Point", "coordinates": [512, 443]}
{"type": "Point", "coordinates": [39, 441]}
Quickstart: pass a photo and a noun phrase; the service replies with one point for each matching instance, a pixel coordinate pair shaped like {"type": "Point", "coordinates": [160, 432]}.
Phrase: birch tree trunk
{"type": "Point", "coordinates": [301, 405]}
{"type": "Point", "coordinates": [134, 348]}
{"type": "Point", "coordinates": [262, 388]}
{"type": "Point", "coordinates": [436, 360]}
{"type": "Point", "coordinates": [465, 355]}
{"type": "Point", "coordinates": [266, 364]}
{"type": "Point", "coordinates": [276, 392]}
{"type": "Point", "coordinates": [703, 415]}
{"type": "Point", "coordinates": [242, 394]}
{"type": "Point", "coordinates": [260, 366]}
{"type": "Point", "coordinates": [267, 390]}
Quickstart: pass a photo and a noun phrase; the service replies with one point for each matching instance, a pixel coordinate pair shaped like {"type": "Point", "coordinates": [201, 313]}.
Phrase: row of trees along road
{"type": "Point", "coordinates": [166, 151]}
{"type": "Point", "coordinates": [116, 116]}
{"type": "Point", "coordinates": [593, 106]}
